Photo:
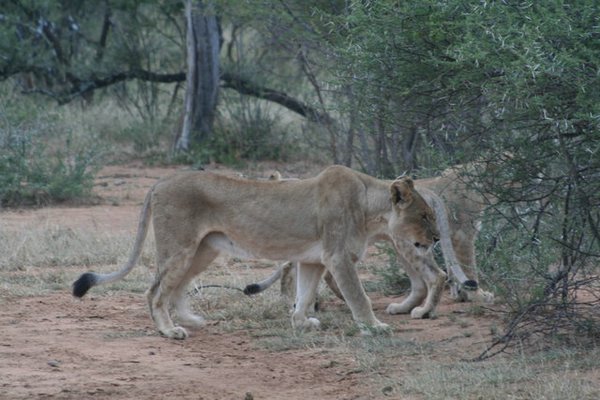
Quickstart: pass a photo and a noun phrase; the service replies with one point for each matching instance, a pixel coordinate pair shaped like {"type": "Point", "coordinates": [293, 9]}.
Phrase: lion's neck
{"type": "Point", "coordinates": [379, 208]}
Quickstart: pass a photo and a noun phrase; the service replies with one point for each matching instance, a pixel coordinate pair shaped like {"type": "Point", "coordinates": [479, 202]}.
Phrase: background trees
{"type": "Point", "coordinates": [385, 86]}
{"type": "Point", "coordinates": [203, 73]}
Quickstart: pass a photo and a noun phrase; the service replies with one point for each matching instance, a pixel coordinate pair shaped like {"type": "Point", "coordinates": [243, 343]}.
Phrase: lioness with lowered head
{"type": "Point", "coordinates": [325, 222]}
{"type": "Point", "coordinates": [457, 210]}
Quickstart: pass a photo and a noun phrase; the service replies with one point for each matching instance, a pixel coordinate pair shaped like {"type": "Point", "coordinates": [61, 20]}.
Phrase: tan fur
{"type": "Point", "coordinates": [458, 213]}
{"type": "Point", "coordinates": [464, 207]}
{"type": "Point", "coordinates": [325, 222]}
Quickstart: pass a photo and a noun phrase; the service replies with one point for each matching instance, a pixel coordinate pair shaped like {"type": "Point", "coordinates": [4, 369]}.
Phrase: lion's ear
{"type": "Point", "coordinates": [401, 190]}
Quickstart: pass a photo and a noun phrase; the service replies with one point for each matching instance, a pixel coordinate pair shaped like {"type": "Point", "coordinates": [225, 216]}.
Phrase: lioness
{"type": "Point", "coordinates": [322, 222]}
{"type": "Point", "coordinates": [459, 209]}
{"type": "Point", "coordinates": [458, 224]}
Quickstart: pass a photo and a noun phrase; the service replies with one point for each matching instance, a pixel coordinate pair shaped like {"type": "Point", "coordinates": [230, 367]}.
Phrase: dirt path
{"type": "Point", "coordinates": [60, 348]}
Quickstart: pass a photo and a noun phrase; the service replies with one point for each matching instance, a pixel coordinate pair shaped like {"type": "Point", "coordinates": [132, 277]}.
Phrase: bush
{"type": "Point", "coordinates": [393, 279]}
{"type": "Point", "coordinates": [540, 244]}
{"type": "Point", "coordinates": [38, 163]}
{"type": "Point", "coordinates": [247, 130]}
{"type": "Point", "coordinates": [30, 174]}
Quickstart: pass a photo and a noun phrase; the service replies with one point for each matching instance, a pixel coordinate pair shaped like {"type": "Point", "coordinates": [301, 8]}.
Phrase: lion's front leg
{"type": "Point", "coordinates": [345, 274]}
{"type": "Point", "coordinates": [418, 292]}
{"type": "Point", "coordinates": [307, 282]}
{"type": "Point", "coordinates": [435, 280]}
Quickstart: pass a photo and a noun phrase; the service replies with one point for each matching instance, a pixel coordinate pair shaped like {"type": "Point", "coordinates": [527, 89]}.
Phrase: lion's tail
{"type": "Point", "coordinates": [91, 279]}
{"type": "Point", "coordinates": [447, 248]}
{"type": "Point", "coordinates": [258, 287]}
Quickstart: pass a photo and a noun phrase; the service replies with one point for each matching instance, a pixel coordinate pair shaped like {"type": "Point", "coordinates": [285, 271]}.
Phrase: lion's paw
{"type": "Point", "coordinates": [488, 297]}
{"type": "Point", "coordinates": [314, 323]}
{"type": "Point", "coordinates": [176, 332]}
{"type": "Point", "coordinates": [397, 308]}
{"type": "Point", "coordinates": [482, 296]}
{"type": "Point", "coordinates": [192, 321]}
{"type": "Point", "coordinates": [421, 313]}
{"type": "Point", "coordinates": [378, 328]}
{"type": "Point", "coordinates": [306, 324]}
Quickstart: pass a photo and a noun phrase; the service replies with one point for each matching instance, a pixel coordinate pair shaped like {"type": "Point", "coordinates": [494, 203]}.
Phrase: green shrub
{"type": "Point", "coordinates": [31, 174]}
{"type": "Point", "coordinates": [39, 163]}
{"type": "Point", "coordinates": [247, 130]}
{"type": "Point", "coordinates": [393, 279]}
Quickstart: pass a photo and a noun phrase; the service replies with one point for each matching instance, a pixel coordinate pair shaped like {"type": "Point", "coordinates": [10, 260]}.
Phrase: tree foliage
{"type": "Point", "coordinates": [69, 49]}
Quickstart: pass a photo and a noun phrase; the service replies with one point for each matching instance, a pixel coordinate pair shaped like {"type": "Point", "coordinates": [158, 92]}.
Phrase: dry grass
{"type": "Point", "coordinates": [558, 375]}
{"type": "Point", "coordinates": [57, 246]}
{"type": "Point", "coordinates": [561, 374]}
{"type": "Point", "coordinates": [38, 260]}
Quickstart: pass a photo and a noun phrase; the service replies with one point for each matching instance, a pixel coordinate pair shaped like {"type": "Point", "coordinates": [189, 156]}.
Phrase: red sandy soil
{"type": "Point", "coordinates": [56, 347]}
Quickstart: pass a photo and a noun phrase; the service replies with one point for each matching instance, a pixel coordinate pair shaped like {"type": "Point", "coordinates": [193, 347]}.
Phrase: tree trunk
{"type": "Point", "coordinates": [202, 83]}
{"type": "Point", "coordinates": [409, 148]}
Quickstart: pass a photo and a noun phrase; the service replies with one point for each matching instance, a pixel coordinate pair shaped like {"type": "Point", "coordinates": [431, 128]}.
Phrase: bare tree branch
{"type": "Point", "coordinates": [87, 86]}
{"type": "Point", "coordinates": [247, 87]}
{"type": "Point", "coordinates": [229, 81]}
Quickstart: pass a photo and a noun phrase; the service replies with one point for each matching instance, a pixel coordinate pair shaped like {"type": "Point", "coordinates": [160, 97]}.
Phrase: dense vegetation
{"type": "Point", "coordinates": [384, 86]}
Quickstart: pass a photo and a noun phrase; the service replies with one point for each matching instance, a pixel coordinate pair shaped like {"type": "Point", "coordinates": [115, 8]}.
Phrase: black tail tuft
{"type": "Point", "coordinates": [470, 285]}
{"type": "Point", "coordinates": [251, 289]}
{"type": "Point", "coordinates": [83, 284]}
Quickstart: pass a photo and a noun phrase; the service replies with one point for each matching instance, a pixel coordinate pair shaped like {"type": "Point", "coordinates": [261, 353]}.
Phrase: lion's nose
{"type": "Point", "coordinates": [436, 239]}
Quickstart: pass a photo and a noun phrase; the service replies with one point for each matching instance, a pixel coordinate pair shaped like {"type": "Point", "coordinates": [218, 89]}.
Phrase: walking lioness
{"type": "Point", "coordinates": [325, 222]}
{"type": "Point", "coordinates": [457, 209]}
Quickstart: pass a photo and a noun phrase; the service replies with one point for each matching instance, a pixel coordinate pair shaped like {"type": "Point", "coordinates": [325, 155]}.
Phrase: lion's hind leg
{"type": "Point", "coordinates": [159, 295]}
{"type": "Point", "coordinates": [202, 259]}
{"type": "Point", "coordinates": [307, 282]}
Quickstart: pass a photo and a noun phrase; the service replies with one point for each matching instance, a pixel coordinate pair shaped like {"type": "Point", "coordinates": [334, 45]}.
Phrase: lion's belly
{"type": "Point", "coordinates": [301, 252]}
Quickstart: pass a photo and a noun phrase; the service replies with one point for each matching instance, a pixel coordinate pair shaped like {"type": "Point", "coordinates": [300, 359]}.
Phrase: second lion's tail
{"type": "Point", "coordinates": [266, 283]}
{"type": "Point", "coordinates": [453, 265]}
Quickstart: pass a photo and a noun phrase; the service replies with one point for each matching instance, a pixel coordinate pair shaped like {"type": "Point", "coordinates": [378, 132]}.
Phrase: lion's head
{"type": "Point", "coordinates": [413, 221]}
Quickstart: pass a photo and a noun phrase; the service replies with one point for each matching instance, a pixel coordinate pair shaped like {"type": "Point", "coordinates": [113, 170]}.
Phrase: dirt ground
{"type": "Point", "coordinates": [57, 347]}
